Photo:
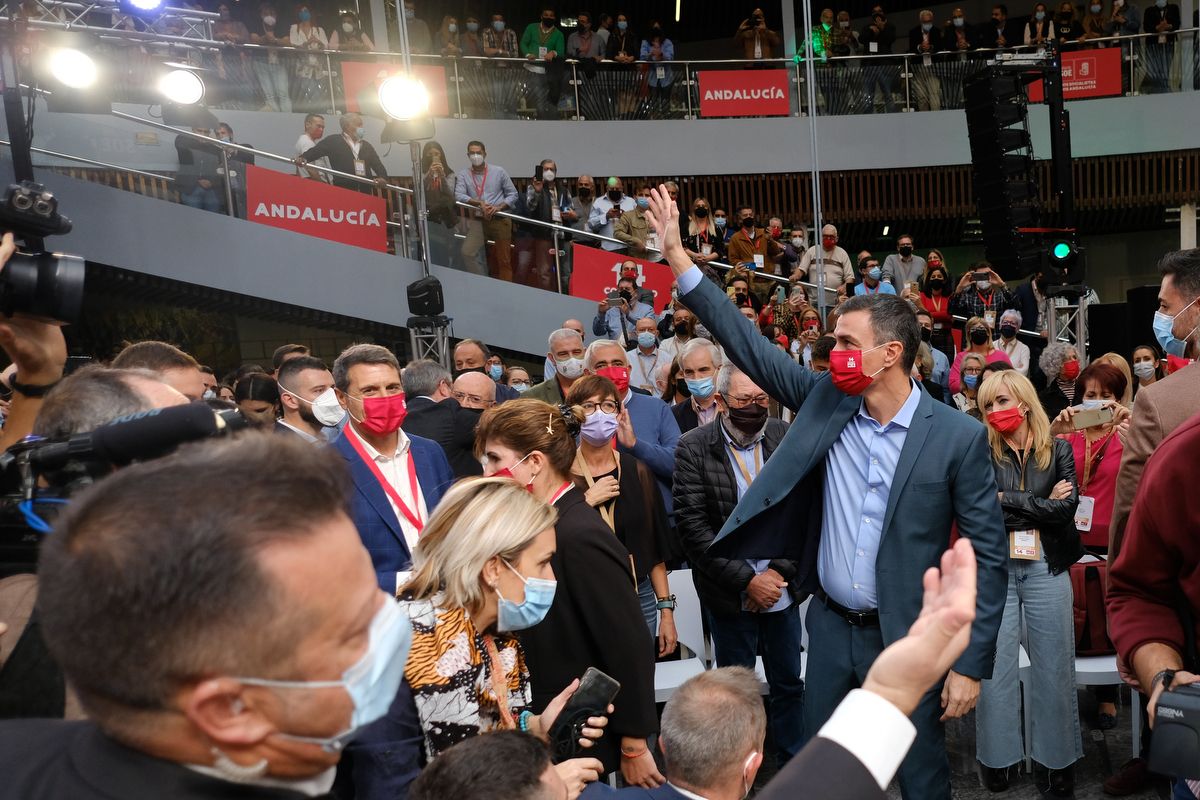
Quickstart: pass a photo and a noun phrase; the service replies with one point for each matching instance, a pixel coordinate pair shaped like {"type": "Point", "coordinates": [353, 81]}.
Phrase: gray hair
{"type": "Point", "coordinates": [925, 354]}
{"type": "Point", "coordinates": [1053, 357]}
{"type": "Point", "coordinates": [1012, 314]}
{"type": "Point", "coordinates": [360, 354]}
{"type": "Point", "coordinates": [422, 377]}
{"type": "Point", "coordinates": [91, 397]}
{"type": "Point", "coordinates": [695, 344]}
{"type": "Point", "coordinates": [590, 356]}
{"type": "Point", "coordinates": [562, 333]}
{"type": "Point", "coordinates": [350, 120]}
{"type": "Point", "coordinates": [709, 726]}
{"type": "Point", "coordinates": [725, 378]}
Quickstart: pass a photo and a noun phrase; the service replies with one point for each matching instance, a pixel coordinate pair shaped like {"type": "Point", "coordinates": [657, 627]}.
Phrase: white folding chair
{"type": "Point", "coordinates": [1102, 671]}
{"type": "Point", "coordinates": [670, 675]}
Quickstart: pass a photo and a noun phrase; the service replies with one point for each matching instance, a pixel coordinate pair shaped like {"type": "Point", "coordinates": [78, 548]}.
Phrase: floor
{"type": "Point", "coordinates": [1103, 753]}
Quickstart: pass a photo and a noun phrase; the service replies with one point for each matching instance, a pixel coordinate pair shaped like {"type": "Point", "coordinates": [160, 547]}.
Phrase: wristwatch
{"type": "Point", "coordinates": [29, 390]}
{"type": "Point", "coordinates": [1166, 676]}
{"type": "Point", "coordinates": [666, 603]}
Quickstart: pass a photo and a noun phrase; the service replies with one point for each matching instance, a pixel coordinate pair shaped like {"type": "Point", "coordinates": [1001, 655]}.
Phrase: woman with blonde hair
{"type": "Point", "coordinates": [971, 367]}
{"type": "Point", "coordinates": [1035, 474]}
{"type": "Point", "coordinates": [481, 573]}
{"type": "Point", "coordinates": [596, 620]}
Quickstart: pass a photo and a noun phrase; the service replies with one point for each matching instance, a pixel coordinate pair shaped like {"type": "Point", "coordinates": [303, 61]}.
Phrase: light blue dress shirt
{"type": "Point", "coordinates": [858, 481]}
{"type": "Point", "coordinates": [746, 454]}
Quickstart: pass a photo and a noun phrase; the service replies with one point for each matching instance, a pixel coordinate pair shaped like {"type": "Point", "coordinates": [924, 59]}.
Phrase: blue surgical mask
{"type": "Point", "coordinates": [520, 386]}
{"type": "Point", "coordinates": [643, 202]}
{"type": "Point", "coordinates": [539, 595]}
{"type": "Point", "coordinates": [360, 132]}
{"type": "Point", "coordinates": [599, 428]}
{"type": "Point", "coordinates": [701, 388]}
{"type": "Point", "coordinates": [622, 25]}
{"type": "Point", "coordinates": [1091, 405]}
{"type": "Point", "coordinates": [927, 26]}
{"type": "Point", "coordinates": [472, 27]}
{"type": "Point", "coordinates": [721, 221]}
{"type": "Point", "coordinates": [874, 273]}
{"type": "Point", "coordinates": [959, 22]}
{"type": "Point", "coordinates": [1144, 369]}
{"type": "Point", "coordinates": [1164, 325]}
{"type": "Point", "coordinates": [495, 371]}
{"type": "Point", "coordinates": [498, 25]}
{"type": "Point", "coordinates": [1039, 15]}
{"type": "Point", "coordinates": [1160, 3]}
{"type": "Point", "coordinates": [970, 381]}
{"type": "Point", "coordinates": [305, 16]}
{"type": "Point", "coordinates": [647, 339]}
{"type": "Point", "coordinates": [371, 682]}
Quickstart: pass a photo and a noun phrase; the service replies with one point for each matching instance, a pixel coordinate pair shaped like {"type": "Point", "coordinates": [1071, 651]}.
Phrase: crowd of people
{"type": "Point", "coordinates": [394, 582]}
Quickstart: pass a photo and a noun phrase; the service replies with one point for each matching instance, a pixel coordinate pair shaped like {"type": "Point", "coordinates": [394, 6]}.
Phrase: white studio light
{"type": "Point", "coordinates": [182, 86]}
{"type": "Point", "coordinates": [146, 5]}
{"type": "Point", "coordinates": [73, 68]}
{"type": "Point", "coordinates": [403, 98]}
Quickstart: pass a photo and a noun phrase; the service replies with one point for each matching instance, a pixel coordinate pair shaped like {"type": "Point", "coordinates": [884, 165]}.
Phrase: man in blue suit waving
{"type": "Point", "coordinates": [398, 479]}
{"type": "Point", "coordinates": [862, 491]}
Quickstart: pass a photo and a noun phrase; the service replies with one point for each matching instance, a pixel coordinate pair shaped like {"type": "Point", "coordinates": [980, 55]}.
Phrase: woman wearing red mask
{"type": "Point", "coordinates": [1060, 364]}
{"type": "Point", "coordinates": [936, 290]}
{"type": "Point", "coordinates": [1035, 474]}
{"type": "Point", "coordinates": [592, 623]}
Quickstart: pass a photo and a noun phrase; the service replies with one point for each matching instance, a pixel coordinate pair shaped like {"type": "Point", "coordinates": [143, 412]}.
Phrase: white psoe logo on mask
{"type": "Point", "coordinates": [851, 363]}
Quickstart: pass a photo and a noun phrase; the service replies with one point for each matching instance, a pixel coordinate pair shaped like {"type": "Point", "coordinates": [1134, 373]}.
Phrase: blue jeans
{"type": "Point", "coordinates": [737, 640]}
{"type": "Point", "coordinates": [202, 198]}
{"type": "Point", "coordinates": [273, 79]}
{"type": "Point", "coordinates": [1045, 600]}
{"type": "Point", "coordinates": [649, 602]}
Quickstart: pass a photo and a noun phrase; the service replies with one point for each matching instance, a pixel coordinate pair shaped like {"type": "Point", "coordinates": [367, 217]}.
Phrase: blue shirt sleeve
{"type": "Point", "coordinates": [689, 280]}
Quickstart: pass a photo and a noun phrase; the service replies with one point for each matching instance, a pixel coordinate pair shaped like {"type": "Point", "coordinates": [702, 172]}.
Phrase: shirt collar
{"type": "Point", "coordinates": [686, 793]}
{"type": "Point", "coordinates": [904, 416]}
{"type": "Point", "coordinates": [310, 787]}
{"type": "Point", "coordinates": [402, 444]}
{"type": "Point", "coordinates": [300, 431]}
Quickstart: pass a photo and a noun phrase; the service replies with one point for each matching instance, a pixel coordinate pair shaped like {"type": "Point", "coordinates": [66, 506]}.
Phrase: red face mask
{"type": "Point", "coordinates": [618, 375]}
{"type": "Point", "coordinates": [1175, 363]}
{"type": "Point", "coordinates": [776, 232]}
{"type": "Point", "coordinates": [1070, 370]}
{"type": "Point", "coordinates": [383, 415]}
{"type": "Point", "coordinates": [846, 369]}
{"type": "Point", "coordinates": [507, 472]}
{"type": "Point", "coordinates": [812, 325]}
{"type": "Point", "coordinates": [828, 242]}
{"type": "Point", "coordinates": [934, 264]}
{"type": "Point", "coordinates": [1008, 420]}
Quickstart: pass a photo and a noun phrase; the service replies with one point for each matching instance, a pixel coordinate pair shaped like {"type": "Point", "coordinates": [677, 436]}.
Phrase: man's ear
{"type": "Point", "coordinates": [221, 708]}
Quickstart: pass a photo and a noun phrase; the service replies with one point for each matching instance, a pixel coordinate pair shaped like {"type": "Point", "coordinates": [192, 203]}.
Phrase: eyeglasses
{"type": "Point", "coordinates": [972, 371]}
{"type": "Point", "coordinates": [607, 406]}
{"type": "Point", "coordinates": [474, 398]}
{"type": "Point", "coordinates": [742, 402]}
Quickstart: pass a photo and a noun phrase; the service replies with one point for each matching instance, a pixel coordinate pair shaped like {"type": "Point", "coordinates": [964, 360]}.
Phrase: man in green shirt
{"type": "Point", "coordinates": [543, 44]}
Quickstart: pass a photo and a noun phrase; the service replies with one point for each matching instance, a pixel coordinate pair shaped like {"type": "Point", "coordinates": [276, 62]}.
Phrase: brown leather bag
{"type": "Point", "coordinates": [1089, 584]}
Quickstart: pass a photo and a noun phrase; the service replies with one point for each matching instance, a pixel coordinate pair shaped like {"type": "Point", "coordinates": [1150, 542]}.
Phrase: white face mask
{"type": "Point", "coordinates": [476, 159]}
{"type": "Point", "coordinates": [570, 369]}
{"type": "Point", "coordinates": [548, 175]}
{"type": "Point", "coordinates": [982, 285]}
{"type": "Point", "coordinates": [797, 242]}
{"type": "Point", "coordinates": [327, 409]}
{"type": "Point", "coordinates": [348, 27]}
{"type": "Point", "coordinates": [269, 22]}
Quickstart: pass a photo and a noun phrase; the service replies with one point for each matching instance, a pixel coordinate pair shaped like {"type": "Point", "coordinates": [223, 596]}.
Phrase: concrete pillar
{"type": "Point", "coordinates": [787, 28]}
{"type": "Point", "coordinates": [1187, 226]}
{"type": "Point", "coordinates": [379, 25]}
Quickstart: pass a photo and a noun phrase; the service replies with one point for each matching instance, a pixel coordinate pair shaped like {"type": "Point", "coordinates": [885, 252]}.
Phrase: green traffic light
{"type": "Point", "coordinates": [1061, 250]}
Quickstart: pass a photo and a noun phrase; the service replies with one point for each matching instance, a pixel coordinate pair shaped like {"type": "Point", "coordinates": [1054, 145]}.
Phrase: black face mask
{"type": "Point", "coordinates": [906, 250]}
{"type": "Point", "coordinates": [626, 295]}
{"type": "Point", "coordinates": [684, 328]}
{"type": "Point", "coordinates": [585, 193]}
{"type": "Point", "coordinates": [740, 299]}
{"type": "Point", "coordinates": [681, 387]}
{"type": "Point", "coordinates": [936, 284]}
{"type": "Point", "coordinates": [979, 336]}
{"type": "Point", "coordinates": [1008, 331]}
{"type": "Point", "coordinates": [748, 223]}
{"type": "Point", "coordinates": [548, 22]}
{"type": "Point", "coordinates": [701, 213]}
{"type": "Point", "coordinates": [748, 420]}
{"type": "Point", "coordinates": [1040, 283]}
{"type": "Point", "coordinates": [615, 195]}
{"type": "Point", "coordinates": [926, 334]}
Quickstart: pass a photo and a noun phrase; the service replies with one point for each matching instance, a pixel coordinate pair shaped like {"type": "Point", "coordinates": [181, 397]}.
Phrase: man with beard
{"type": "Point", "coordinates": [301, 381]}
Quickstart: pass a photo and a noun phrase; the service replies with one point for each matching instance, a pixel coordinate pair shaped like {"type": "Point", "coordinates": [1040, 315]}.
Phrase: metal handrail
{"type": "Point", "coordinates": [94, 163]}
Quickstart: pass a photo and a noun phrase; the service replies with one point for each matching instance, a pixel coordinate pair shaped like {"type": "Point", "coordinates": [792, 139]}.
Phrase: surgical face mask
{"type": "Point", "coordinates": [498, 25]}
{"type": "Point", "coordinates": [959, 22]}
{"type": "Point", "coordinates": [304, 16]}
{"type": "Point", "coordinates": [622, 25]}
{"type": "Point", "coordinates": [1144, 369]}
{"type": "Point", "coordinates": [797, 242]}
{"type": "Point", "coordinates": [1039, 15]}
{"type": "Point", "coordinates": [843, 23]}
{"type": "Point", "coordinates": [926, 26]}
{"type": "Point", "coordinates": [970, 381]}
{"type": "Point", "coordinates": [1095, 9]}
{"type": "Point", "coordinates": [360, 132]}
{"type": "Point", "coordinates": [327, 409]}
{"type": "Point", "coordinates": [1160, 3]}
{"type": "Point", "coordinates": [1164, 331]}
{"type": "Point", "coordinates": [570, 368]}
{"type": "Point", "coordinates": [269, 21]}
{"type": "Point", "coordinates": [647, 339]}
{"type": "Point", "coordinates": [209, 394]}
{"type": "Point", "coordinates": [874, 273]}
{"type": "Point", "coordinates": [520, 386]}
{"type": "Point", "coordinates": [720, 221]}
{"type": "Point", "coordinates": [495, 371]}
{"type": "Point", "coordinates": [452, 28]}
{"type": "Point", "coordinates": [476, 159]}
{"type": "Point", "coordinates": [701, 388]}
{"type": "Point", "coordinates": [643, 203]}
{"type": "Point", "coordinates": [472, 27]}
{"type": "Point", "coordinates": [539, 596]}
{"type": "Point", "coordinates": [372, 681]}
{"type": "Point", "coordinates": [1091, 405]}
{"type": "Point", "coordinates": [982, 285]}
{"type": "Point", "coordinates": [548, 175]}
{"type": "Point", "coordinates": [599, 428]}
{"type": "Point", "coordinates": [348, 27]}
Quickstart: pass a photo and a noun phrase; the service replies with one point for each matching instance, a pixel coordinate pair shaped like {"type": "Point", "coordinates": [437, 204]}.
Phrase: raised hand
{"type": "Point", "coordinates": [663, 215]}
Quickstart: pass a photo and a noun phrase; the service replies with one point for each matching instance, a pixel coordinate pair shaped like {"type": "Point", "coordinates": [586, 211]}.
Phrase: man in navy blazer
{"type": "Point", "coordinates": [862, 491]}
{"type": "Point", "coordinates": [389, 517]}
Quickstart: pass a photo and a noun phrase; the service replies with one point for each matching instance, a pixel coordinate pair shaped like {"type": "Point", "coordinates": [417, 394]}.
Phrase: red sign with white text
{"type": "Point", "coordinates": [361, 91]}
{"type": "Point", "coordinates": [594, 274]}
{"type": "Point", "coordinates": [316, 208]}
{"type": "Point", "coordinates": [745, 93]}
{"type": "Point", "coordinates": [1086, 73]}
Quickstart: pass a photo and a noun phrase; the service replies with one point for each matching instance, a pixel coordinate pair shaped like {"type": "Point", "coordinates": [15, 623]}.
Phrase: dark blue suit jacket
{"type": "Point", "coordinates": [373, 515]}
{"type": "Point", "coordinates": [944, 475]}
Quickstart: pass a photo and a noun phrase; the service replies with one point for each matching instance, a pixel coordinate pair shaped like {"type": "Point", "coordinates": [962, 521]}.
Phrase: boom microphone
{"type": "Point", "coordinates": [145, 435]}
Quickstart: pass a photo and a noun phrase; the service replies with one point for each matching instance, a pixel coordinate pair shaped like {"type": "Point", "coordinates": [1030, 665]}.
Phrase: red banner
{"type": "Point", "coordinates": [361, 90]}
{"type": "Point", "coordinates": [316, 208]}
{"type": "Point", "coordinates": [1086, 73]}
{"type": "Point", "coordinates": [745, 93]}
{"type": "Point", "coordinates": [594, 274]}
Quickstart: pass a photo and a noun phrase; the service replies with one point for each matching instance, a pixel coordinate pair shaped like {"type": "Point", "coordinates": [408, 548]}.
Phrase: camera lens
{"type": "Point", "coordinates": [48, 285]}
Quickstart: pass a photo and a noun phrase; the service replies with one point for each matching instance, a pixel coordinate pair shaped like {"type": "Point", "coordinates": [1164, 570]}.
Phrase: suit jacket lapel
{"type": "Point", "coordinates": [914, 442]}
{"type": "Point", "coordinates": [426, 477]}
{"type": "Point", "coordinates": [368, 485]}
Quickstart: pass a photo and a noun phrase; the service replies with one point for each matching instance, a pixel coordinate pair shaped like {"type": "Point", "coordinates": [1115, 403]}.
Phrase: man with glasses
{"type": "Point", "coordinates": [749, 602]}
{"type": "Point", "coordinates": [475, 390]}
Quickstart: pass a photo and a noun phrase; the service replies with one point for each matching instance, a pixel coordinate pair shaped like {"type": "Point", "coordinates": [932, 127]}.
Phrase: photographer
{"type": "Point", "coordinates": [756, 40]}
{"type": "Point", "coordinates": [40, 353]}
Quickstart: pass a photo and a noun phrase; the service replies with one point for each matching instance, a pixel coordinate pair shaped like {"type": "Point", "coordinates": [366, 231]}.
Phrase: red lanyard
{"type": "Point", "coordinates": [479, 187]}
{"type": "Point", "coordinates": [867, 289]}
{"type": "Point", "coordinates": [989, 302]}
{"type": "Point", "coordinates": [410, 514]}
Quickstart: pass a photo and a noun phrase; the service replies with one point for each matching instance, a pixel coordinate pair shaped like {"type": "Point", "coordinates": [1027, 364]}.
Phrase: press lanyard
{"type": "Point", "coordinates": [867, 289]}
{"type": "Point", "coordinates": [937, 307]}
{"type": "Point", "coordinates": [1090, 465]}
{"type": "Point", "coordinates": [355, 147]}
{"type": "Point", "coordinates": [1023, 460]}
{"type": "Point", "coordinates": [412, 515]}
{"type": "Point", "coordinates": [479, 187]}
{"type": "Point", "coordinates": [989, 302]}
{"type": "Point", "coordinates": [741, 465]}
{"type": "Point", "coordinates": [499, 684]}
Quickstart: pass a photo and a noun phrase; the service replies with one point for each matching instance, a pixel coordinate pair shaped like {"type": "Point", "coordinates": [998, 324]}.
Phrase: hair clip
{"type": "Point", "coordinates": [550, 424]}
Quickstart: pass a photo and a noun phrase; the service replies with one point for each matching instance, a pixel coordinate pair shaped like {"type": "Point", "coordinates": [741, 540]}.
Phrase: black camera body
{"type": "Point", "coordinates": [1175, 749]}
{"type": "Point", "coordinates": [36, 283]}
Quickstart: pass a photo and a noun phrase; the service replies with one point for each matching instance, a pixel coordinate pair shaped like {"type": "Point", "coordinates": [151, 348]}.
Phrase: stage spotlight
{"type": "Point", "coordinates": [182, 86]}
{"type": "Point", "coordinates": [73, 68]}
{"type": "Point", "coordinates": [140, 7]}
{"type": "Point", "coordinates": [403, 98]}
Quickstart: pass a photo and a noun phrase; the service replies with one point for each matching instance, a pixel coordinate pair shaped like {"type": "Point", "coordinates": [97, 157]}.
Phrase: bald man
{"type": "Point", "coordinates": [475, 390]}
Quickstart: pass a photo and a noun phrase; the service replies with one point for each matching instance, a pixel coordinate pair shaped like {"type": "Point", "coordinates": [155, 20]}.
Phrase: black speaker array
{"type": "Point", "coordinates": [1002, 161]}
